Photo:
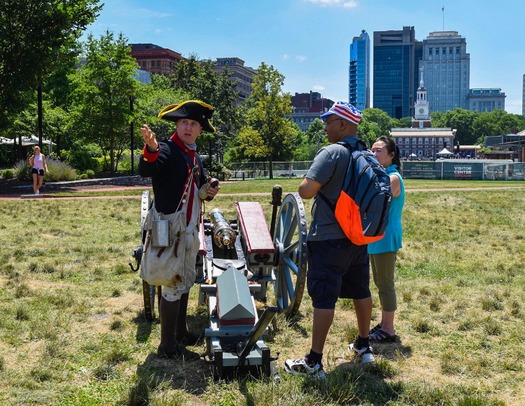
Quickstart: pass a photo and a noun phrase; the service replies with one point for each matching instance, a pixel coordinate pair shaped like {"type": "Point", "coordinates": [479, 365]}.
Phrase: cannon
{"type": "Point", "coordinates": [237, 260]}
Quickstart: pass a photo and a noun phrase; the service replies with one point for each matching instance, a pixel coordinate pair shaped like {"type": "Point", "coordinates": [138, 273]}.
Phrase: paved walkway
{"type": "Point", "coordinates": [77, 188]}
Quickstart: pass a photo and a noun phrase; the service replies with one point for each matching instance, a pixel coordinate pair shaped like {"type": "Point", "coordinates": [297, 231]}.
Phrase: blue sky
{"type": "Point", "coordinates": [308, 40]}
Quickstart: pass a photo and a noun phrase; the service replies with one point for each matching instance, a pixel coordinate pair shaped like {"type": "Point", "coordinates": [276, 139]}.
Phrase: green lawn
{"type": "Point", "coordinates": [72, 329]}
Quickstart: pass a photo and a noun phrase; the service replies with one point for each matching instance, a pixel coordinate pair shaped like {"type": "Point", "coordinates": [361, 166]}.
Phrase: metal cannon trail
{"type": "Point", "coordinates": [237, 260]}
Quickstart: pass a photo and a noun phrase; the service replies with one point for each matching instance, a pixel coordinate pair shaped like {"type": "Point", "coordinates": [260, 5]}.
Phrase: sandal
{"type": "Point", "coordinates": [381, 336]}
{"type": "Point", "coordinates": [374, 329]}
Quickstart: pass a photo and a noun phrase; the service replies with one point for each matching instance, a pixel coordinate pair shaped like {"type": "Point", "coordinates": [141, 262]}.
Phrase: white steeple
{"type": "Point", "coordinates": [421, 107]}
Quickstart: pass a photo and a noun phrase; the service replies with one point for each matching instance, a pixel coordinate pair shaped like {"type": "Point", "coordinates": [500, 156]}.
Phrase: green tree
{"type": "Point", "coordinates": [460, 119]}
{"type": "Point", "coordinates": [200, 81]}
{"type": "Point", "coordinates": [150, 100]}
{"type": "Point", "coordinates": [54, 124]}
{"type": "Point", "coordinates": [104, 85]}
{"type": "Point", "coordinates": [267, 108]}
{"type": "Point", "coordinates": [375, 123]}
{"type": "Point", "coordinates": [315, 139]}
{"type": "Point", "coordinates": [35, 38]}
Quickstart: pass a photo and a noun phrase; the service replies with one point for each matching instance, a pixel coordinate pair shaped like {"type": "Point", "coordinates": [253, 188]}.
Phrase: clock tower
{"type": "Point", "coordinates": [421, 109]}
{"type": "Point", "coordinates": [421, 106]}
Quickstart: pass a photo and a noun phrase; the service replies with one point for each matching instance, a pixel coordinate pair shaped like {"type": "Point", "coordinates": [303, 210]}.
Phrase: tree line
{"type": "Point", "coordinates": [85, 97]}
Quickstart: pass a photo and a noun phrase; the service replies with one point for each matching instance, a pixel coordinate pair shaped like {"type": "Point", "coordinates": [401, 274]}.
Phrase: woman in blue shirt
{"type": "Point", "coordinates": [383, 252]}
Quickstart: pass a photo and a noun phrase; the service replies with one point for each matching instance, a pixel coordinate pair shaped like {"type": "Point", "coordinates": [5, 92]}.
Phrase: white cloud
{"type": "Point", "coordinates": [299, 58]}
{"type": "Point", "coordinates": [148, 13]}
{"type": "Point", "coordinates": [334, 3]}
{"type": "Point", "coordinates": [318, 88]}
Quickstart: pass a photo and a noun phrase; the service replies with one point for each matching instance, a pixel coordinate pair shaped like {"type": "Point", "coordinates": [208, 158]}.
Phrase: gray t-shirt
{"type": "Point", "coordinates": [328, 168]}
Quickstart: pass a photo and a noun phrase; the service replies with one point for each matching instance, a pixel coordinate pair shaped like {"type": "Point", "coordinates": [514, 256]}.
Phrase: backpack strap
{"type": "Point", "coordinates": [358, 145]}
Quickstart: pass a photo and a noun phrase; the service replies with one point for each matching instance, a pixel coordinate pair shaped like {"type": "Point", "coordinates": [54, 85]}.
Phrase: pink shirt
{"type": "Point", "coordinates": [38, 161]}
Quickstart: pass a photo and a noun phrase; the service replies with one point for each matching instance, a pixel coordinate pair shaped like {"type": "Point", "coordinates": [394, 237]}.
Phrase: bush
{"type": "Point", "coordinates": [22, 171]}
{"type": "Point", "coordinates": [8, 173]}
{"type": "Point", "coordinates": [58, 171]}
{"type": "Point", "coordinates": [89, 174]}
{"type": "Point", "coordinates": [83, 157]}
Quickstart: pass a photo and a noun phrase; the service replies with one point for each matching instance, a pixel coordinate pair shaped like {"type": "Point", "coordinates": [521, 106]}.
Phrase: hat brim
{"type": "Point", "coordinates": [328, 113]}
{"type": "Point", "coordinates": [191, 109]}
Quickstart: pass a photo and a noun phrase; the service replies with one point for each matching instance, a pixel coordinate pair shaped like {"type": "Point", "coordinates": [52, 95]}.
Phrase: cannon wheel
{"type": "Point", "coordinates": [291, 255]}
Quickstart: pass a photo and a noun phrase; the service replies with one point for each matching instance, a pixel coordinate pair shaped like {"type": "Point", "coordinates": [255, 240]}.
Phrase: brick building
{"type": "Point", "coordinates": [155, 59]}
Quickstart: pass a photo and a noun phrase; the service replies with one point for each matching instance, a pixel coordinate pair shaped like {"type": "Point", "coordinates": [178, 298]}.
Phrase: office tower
{"type": "Point", "coordinates": [359, 72]}
{"type": "Point", "coordinates": [396, 56]}
{"type": "Point", "coordinates": [447, 70]}
{"type": "Point", "coordinates": [240, 74]}
{"type": "Point", "coordinates": [484, 100]}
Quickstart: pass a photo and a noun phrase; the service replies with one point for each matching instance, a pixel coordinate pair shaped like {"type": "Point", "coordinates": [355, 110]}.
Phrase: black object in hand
{"type": "Point", "coordinates": [213, 183]}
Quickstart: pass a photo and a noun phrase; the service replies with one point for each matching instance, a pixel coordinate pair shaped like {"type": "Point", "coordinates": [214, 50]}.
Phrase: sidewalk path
{"type": "Point", "coordinates": [77, 193]}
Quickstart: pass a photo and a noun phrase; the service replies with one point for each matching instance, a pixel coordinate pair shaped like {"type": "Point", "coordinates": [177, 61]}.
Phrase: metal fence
{"type": "Point", "coordinates": [281, 169]}
{"type": "Point", "coordinates": [464, 169]}
{"type": "Point", "coordinates": [473, 169]}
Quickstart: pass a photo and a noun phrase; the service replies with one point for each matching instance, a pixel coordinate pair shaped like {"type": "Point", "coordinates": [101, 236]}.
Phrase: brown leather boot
{"type": "Point", "coordinates": [169, 314]}
{"type": "Point", "coordinates": [183, 334]}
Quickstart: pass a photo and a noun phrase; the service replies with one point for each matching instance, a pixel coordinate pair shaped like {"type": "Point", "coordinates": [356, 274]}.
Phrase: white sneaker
{"type": "Point", "coordinates": [37, 192]}
{"type": "Point", "coordinates": [301, 367]}
{"type": "Point", "coordinates": [365, 353]}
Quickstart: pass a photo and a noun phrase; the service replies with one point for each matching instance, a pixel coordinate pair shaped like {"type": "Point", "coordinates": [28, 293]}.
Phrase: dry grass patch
{"type": "Point", "coordinates": [72, 329]}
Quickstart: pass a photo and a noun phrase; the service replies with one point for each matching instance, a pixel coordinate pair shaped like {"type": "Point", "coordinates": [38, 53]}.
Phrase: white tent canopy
{"type": "Point", "coordinates": [444, 151]}
{"type": "Point", "coordinates": [30, 140]}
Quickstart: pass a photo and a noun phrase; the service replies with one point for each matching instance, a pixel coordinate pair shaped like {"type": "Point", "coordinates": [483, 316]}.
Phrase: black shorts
{"type": "Point", "coordinates": [337, 269]}
{"type": "Point", "coordinates": [38, 171]}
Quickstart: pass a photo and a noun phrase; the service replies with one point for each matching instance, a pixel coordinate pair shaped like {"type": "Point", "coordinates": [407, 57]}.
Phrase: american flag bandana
{"type": "Point", "coordinates": [344, 110]}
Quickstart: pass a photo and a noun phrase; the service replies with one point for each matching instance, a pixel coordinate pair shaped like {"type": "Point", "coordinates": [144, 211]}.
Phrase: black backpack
{"type": "Point", "coordinates": [364, 201]}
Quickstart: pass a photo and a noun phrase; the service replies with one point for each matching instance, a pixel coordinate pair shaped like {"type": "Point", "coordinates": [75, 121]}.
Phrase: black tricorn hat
{"type": "Point", "coordinates": [192, 109]}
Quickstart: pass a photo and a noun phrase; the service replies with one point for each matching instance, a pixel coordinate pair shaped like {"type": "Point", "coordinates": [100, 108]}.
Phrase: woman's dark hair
{"type": "Point", "coordinates": [391, 147]}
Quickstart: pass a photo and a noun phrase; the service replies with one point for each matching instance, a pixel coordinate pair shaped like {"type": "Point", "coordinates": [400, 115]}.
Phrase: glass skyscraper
{"type": "Point", "coordinates": [446, 64]}
{"type": "Point", "coordinates": [359, 72]}
{"type": "Point", "coordinates": [396, 74]}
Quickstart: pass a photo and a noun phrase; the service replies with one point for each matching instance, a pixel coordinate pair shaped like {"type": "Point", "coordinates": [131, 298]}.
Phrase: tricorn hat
{"type": "Point", "coordinates": [192, 109]}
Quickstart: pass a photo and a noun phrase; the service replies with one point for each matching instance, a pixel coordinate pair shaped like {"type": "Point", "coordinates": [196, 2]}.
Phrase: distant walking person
{"type": "Point", "coordinates": [38, 163]}
{"type": "Point", "coordinates": [337, 268]}
{"type": "Point", "coordinates": [383, 252]}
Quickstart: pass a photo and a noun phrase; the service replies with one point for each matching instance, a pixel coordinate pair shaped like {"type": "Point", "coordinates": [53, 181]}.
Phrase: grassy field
{"type": "Point", "coordinates": [72, 329]}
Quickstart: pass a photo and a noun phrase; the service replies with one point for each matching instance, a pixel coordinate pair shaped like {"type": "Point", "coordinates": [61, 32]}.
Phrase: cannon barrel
{"type": "Point", "coordinates": [223, 234]}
